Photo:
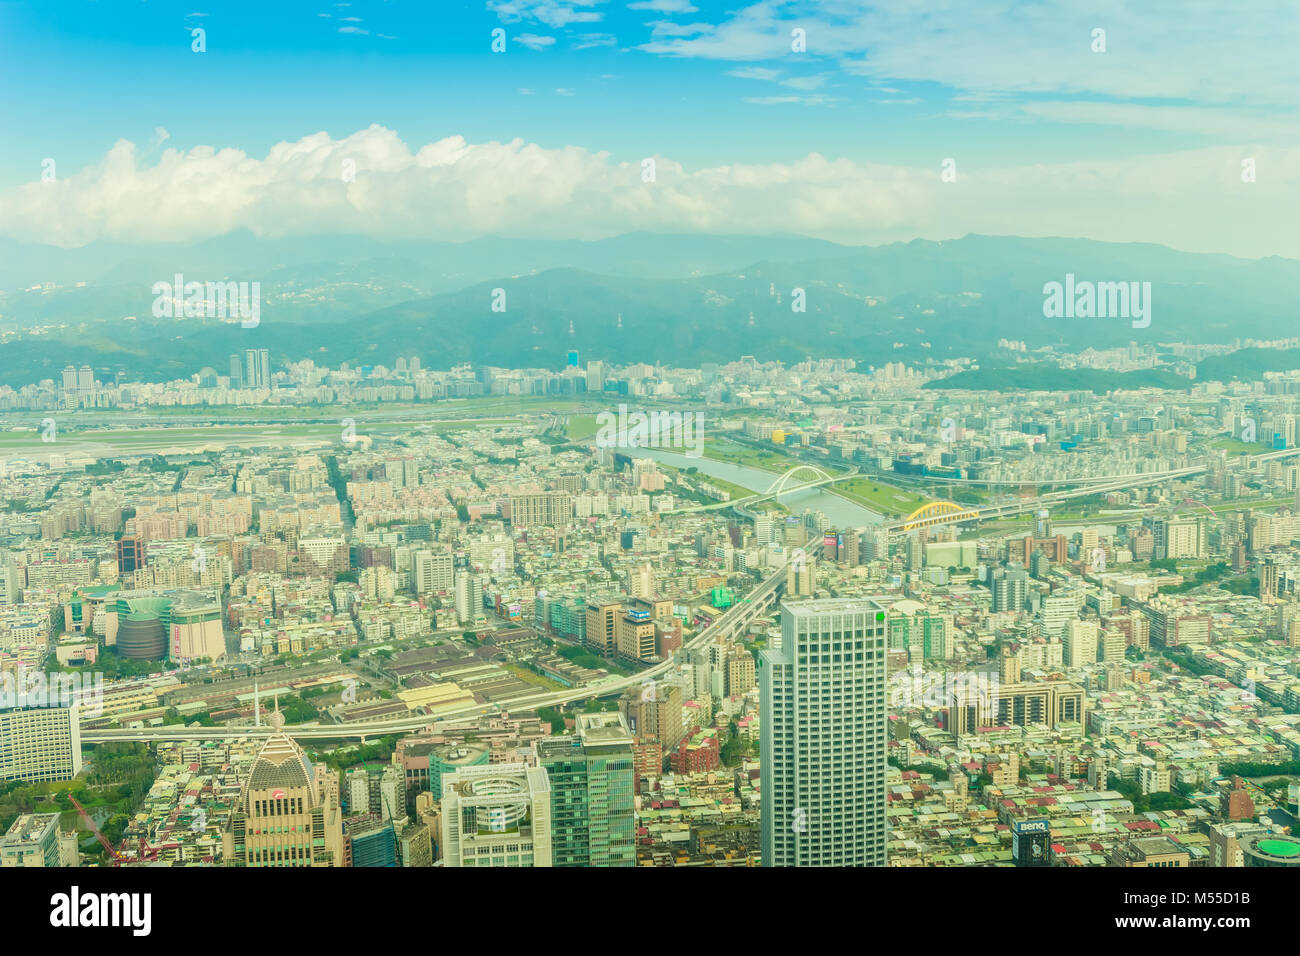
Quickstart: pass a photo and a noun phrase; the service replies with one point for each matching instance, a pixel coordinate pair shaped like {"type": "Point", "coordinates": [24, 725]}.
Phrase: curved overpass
{"type": "Point", "coordinates": [734, 619]}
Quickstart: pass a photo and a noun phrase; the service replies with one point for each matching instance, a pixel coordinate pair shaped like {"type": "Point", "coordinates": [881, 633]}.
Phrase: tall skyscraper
{"type": "Point", "coordinates": [465, 596]}
{"type": "Point", "coordinates": [592, 786]}
{"type": "Point", "coordinates": [257, 368]}
{"type": "Point", "coordinates": [823, 714]}
{"type": "Point", "coordinates": [288, 811]}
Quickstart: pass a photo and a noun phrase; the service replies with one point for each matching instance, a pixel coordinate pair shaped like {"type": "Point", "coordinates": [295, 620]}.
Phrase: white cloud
{"type": "Point", "coordinates": [756, 73]}
{"type": "Point", "coordinates": [588, 40]}
{"type": "Point", "coordinates": [452, 189]}
{"type": "Point", "coordinates": [806, 83]}
{"type": "Point", "coordinates": [664, 6]}
{"type": "Point", "coordinates": [553, 13]}
{"type": "Point", "coordinates": [666, 28]}
{"type": "Point", "coordinates": [815, 100]}
{"type": "Point", "coordinates": [535, 42]}
{"type": "Point", "coordinates": [1163, 50]}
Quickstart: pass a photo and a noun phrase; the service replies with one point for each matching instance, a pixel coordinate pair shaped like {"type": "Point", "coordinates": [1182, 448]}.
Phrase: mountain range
{"type": "Point", "coordinates": [677, 299]}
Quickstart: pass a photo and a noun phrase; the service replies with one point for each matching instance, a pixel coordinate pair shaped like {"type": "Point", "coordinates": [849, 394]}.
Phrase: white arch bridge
{"type": "Point", "coordinates": [798, 478]}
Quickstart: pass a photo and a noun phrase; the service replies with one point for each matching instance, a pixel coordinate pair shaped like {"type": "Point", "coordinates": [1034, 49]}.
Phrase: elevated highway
{"type": "Point", "coordinates": [732, 622]}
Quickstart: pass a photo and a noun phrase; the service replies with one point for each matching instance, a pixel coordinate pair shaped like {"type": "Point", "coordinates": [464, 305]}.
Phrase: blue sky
{"type": "Point", "coordinates": [883, 93]}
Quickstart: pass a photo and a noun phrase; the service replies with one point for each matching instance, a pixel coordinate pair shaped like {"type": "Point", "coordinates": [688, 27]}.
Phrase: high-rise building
{"type": "Point", "coordinates": [433, 571]}
{"type": "Point", "coordinates": [257, 368]}
{"type": "Point", "coordinates": [1268, 575]}
{"type": "Point", "coordinates": [371, 841]}
{"type": "Point", "coordinates": [553, 508]}
{"type": "Point", "coordinates": [11, 579]}
{"type": "Point", "coordinates": [40, 743]}
{"type": "Point", "coordinates": [288, 811]}
{"type": "Point", "coordinates": [1080, 639]}
{"type": "Point", "coordinates": [801, 575]}
{"type": "Point", "coordinates": [602, 625]}
{"type": "Point", "coordinates": [465, 608]}
{"type": "Point", "coordinates": [654, 710]}
{"type": "Point", "coordinates": [592, 787]}
{"type": "Point", "coordinates": [236, 372]}
{"type": "Point", "coordinates": [1056, 611]}
{"type": "Point", "coordinates": [130, 554]}
{"type": "Point", "coordinates": [1176, 537]}
{"type": "Point", "coordinates": [923, 634]}
{"type": "Point", "coordinates": [738, 675]}
{"type": "Point", "coordinates": [1010, 588]}
{"type": "Point", "coordinates": [823, 715]}
{"type": "Point", "coordinates": [496, 815]}
{"type": "Point", "coordinates": [1045, 703]}
{"type": "Point", "coordinates": [635, 635]}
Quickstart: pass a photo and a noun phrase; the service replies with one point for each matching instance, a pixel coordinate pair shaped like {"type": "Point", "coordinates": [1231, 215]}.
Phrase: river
{"type": "Point", "coordinates": [840, 512]}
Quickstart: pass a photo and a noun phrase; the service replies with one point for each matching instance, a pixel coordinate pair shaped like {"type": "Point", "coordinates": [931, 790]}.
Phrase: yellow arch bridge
{"type": "Point", "coordinates": [938, 512]}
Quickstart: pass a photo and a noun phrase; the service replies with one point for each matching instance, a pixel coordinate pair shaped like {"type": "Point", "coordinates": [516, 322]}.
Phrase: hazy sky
{"type": "Point", "coordinates": [147, 140]}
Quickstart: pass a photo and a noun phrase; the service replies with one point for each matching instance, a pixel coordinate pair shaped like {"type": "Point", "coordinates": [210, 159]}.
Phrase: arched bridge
{"type": "Point", "coordinates": [779, 487]}
{"type": "Point", "coordinates": [798, 478]}
{"type": "Point", "coordinates": [938, 512]}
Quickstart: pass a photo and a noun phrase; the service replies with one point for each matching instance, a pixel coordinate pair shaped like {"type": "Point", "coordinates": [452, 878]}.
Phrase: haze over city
{"type": "Point", "coordinates": [661, 433]}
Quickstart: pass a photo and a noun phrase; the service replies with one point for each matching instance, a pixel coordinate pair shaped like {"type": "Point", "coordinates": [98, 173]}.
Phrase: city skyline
{"type": "Point", "coordinates": [784, 435]}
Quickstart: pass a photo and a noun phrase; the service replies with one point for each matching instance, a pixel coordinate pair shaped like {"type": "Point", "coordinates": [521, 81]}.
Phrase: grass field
{"type": "Point", "coordinates": [1239, 447]}
{"type": "Point", "coordinates": [776, 461]}
{"type": "Point", "coordinates": [882, 498]}
{"type": "Point", "coordinates": [581, 427]}
{"type": "Point", "coordinates": [107, 442]}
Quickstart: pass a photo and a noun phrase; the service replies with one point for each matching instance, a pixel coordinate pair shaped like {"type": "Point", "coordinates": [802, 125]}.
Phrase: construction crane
{"type": "Point", "coordinates": [146, 852]}
{"type": "Point", "coordinates": [90, 824]}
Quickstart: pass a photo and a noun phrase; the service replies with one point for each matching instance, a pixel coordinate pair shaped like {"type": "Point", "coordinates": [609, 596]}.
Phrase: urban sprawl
{"type": "Point", "coordinates": [289, 615]}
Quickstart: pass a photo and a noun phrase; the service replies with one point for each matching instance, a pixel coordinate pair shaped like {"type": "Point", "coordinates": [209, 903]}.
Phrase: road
{"type": "Point", "coordinates": [733, 620]}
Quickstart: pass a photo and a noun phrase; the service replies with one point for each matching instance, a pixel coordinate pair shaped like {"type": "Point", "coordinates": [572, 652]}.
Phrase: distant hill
{"type": "Point", "coordinates": [683, 300]}
{"type": "Point", "coordinates": [1045, 377]}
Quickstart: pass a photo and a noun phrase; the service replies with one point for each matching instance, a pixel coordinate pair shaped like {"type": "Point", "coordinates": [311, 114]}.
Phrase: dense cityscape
{"type": "Point", "coordinates": [1072, 620]}
{"type": "Point", "coordinates": [849, 443]}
